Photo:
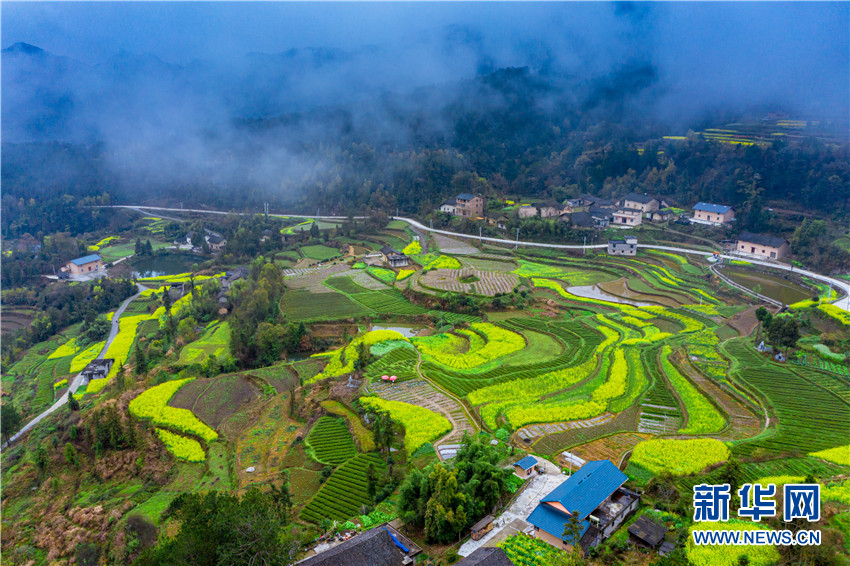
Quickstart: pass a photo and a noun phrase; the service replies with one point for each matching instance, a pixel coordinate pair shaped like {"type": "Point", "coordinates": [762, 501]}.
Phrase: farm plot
{"type": "Point", "coordinates": [659, 410]}
{"type": "Point", "coordinates": [280, 376]}
{"type": "Point", "coordinates": [345, 492]}
{"type": "Point", "coordinates": [423, 394]}
{"type": "Point", "coordinates": [420, 424]}
{"type": "Point", "coordinates": [302, 305]}
{"type": "Point", "coordinates": [453, 246]}
{"type": "Point", "coordinates": [265, 446]}
{"type": "Point", "coordinates": [488, 263]}
{"type": "Point", "coordinates": [792, 398]}
{"type": "Point", "coordinates": [554, 443]}
{"type": "Point", "coordinates": [702, 416]}
{"type": "Point", "coordinates": [679, 457]}
{"type": "Point", "coordinates": [310, 279]}
{"type": "Point", "coordinates": [487, 283]}
{"type": "Point", "coordinates": [610, 447]}
{"type": "Point", "coordinates": [364, 435]}
{"type": "Point", "coordinates": [331, 441]}
{"type": "Point", "coordinates": [214, 400]}
{"type": "Point", "coordinates": [215, 342]}
{"type": "Point", "coordinates": [321, 253]}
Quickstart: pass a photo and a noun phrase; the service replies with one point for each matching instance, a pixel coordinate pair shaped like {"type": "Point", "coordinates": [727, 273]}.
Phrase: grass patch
{"type": "Point", "coordinates": [321, 253]}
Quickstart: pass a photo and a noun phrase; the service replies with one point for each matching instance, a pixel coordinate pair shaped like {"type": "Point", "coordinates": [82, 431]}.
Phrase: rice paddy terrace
{"type": "Point", "coordinates": [592, 355]}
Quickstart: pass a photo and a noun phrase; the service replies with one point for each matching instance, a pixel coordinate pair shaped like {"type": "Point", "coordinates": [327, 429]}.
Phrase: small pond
{"type": "Point", "coordinates": [406, 330]}
{"type": "Point", "coordinates": [772, 286]}
{"type": "Point", "coordinates": [167, 264]}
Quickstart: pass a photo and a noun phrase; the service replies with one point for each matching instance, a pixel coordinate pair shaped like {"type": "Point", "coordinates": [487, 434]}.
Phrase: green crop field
{"type": "Point", "coordinates": [331, 441]}
{"type": "Point", "coordinates": [345, 491]}
{"type": "Point", "coordinates": [215, 342]}
{"type": "Point", "coordinates": [321, 253]}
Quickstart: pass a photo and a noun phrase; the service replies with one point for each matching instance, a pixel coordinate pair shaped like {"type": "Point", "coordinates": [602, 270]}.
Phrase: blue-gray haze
{"type": "Point", "coordinates": [161, 83]}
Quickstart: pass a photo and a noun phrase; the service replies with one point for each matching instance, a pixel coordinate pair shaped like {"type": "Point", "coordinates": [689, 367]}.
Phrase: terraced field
{"type": "Point", "coordinates": [331, 441]}
{"type": "Point", "coordinates": [343, 494]}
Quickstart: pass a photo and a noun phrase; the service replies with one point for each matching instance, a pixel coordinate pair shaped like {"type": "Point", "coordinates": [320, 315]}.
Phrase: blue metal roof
{"type": "Point", "coordinates": [465, 196]}
{"type": "Point", "coordinates": [549, 519]}
{"type": "Point", "coordinates": [527, 462]}
{"type": "Point", "coordinates": [84, 260]}
{"type": "Point", "coordinates": [707, 207]}
{"type": "Point", "coordinates": [588, 487]}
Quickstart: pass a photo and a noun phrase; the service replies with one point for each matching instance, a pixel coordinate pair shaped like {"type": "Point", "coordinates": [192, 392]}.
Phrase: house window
{"type": "Point", "coordinates": [752, 250]}
{"type": "Point", "coordinates": [773, 254]}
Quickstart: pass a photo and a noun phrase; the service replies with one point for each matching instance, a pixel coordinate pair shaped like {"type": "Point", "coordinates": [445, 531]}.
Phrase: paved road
{"type": "Point", "coordinates": [78, 380]}
{"type": "Point", "coordinates": [843, 286]}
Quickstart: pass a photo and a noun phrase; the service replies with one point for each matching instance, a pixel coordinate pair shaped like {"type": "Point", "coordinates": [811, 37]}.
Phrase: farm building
{"type": "Point", "coordinates": [626, 246]}
{"type": "Point", "coordinates": [97, 369]}
{"type": "Point", "coordinates": [450, 206]}
{"type": "Point", "coordinates": [647, 531]}
{"type": "Point", "coordinates": [595, 494]}
{"type": "Point", "coordinates": [380, 546]}
{"type": "Point", "coordinates": [716, 214]}
{"type": "Point", "coordinates": [644, 203]}
{"type": "Point", "coordinates": [524, 467]}
{"type": "Point", "coordinates": [768, 247]}
{"type": "Point", "coordinates": [661, 215]}
{"type": "Point", "coordinates": [83, 265]}
{"type": "Point", "coordinates": [627, 217]}
{"type": "Point", "coordinates": [394, 257]}
{"type": "Point", "coordinates": [546, 209]}
{"type": "Point", "coordinates": [486, 556]}
{"type": "Point", "coordinates": [216, 242]}
{"type": "Point", "coordinates": [482, 527]}
{"type": "Point", "coordinates": [469, 205]}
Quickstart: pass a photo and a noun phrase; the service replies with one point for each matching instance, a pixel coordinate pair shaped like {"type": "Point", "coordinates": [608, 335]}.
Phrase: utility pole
{"type": "Point", "coordinates": [396, 212]}
{"type": "Point", "coordinates": [480, 241]}
{"type": "Point", "coordinates": [584, 246]}
{"type": "Point", "coordinates": [517, 238]}
{"type": "Point", "coordinates": [432, 224]}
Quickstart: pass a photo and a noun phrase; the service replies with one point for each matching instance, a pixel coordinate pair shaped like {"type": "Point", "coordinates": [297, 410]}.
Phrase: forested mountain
{"type": "Point", "coordinates": [518, 131]}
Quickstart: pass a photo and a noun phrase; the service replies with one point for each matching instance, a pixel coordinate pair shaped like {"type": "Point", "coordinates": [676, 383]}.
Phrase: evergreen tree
{"type": "Point", "coordinates": [73, 404]}
{"type": "Point", "coordinates": [10, 420]}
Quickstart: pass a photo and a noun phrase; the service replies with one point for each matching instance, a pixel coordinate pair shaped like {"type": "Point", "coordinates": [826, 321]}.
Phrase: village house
{"type": "Point", "coordinates": [661, 215]}
{"type": "Point", "coordinates": [83, 265]}
{"type": "Point", "coordinates": [379, 546]}
{"type": "Point", "coordinates": [97, 369]}
{"type": "Point", "coordinates": [393, 257]}
{"type": "Point", "coordinates": [486, 556]}
{"type": "Point", "coordinates": [644, 203]}
{"type": "Point", "coordinates": [450, 206]}
{"type": "Point", "coordinates": [714, 214]}
{"type": "Point", "coordinates": [481, 528]}
{"type": "Point", "coordinates": [527, 211]}
{"type": "Point", "coordinates": [626, 246]}
{"type": "Point", "coordinates": [651, 534]}
{"type": "Point", "coordinates": [595, 495]}
{"type": "Point", "coordinates": [760, 245]}
{"type": "Point", "coordinates": [216, 242]}
{"type": "Point", "coordinates": [469, 205]}
{"type": "Point", "coordinates": [626, 217]}
{"type": "Point", "coordinates": [525, 467]}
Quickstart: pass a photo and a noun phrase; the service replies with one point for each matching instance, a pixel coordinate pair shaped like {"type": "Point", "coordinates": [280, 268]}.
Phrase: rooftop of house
{"type": "Point", "coordinates": [486, 556]}
{"type": "Point", "coordinates": [708, 207]}
{"type": "Point", "coordinates": [450, 201]}
{"type": "Point", "coordinates": [648, 531]}
{"type": "Point", "coordinates": [388, 251]}
{"type": "Point", "coordinates": [527, 463]}
{"type": "Point", "coordinates": [215, 239]}
{"type": "Point", "coordinates": [581, 494]}
{"type": "Point", "coordinates": [482, 523]}
{"type": "Point", "coordinates": [376, 547]}
{"type": "Point", "coordinates": [86, 259]}
{"type": "Point", "coordinates": [635, 197]}
{"type": "Point", "coordinates": [761, 239]}
{"type": "Point", "coordinates": [465, 196]}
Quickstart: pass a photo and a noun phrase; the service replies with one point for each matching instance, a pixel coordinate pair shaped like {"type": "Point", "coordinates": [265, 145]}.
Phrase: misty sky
{"type": "Point", "coordinates": [708, 45]}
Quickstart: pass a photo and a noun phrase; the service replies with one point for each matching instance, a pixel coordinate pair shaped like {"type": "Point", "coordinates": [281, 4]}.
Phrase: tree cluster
{"type": "Point", "coordinates": [446, 498]}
